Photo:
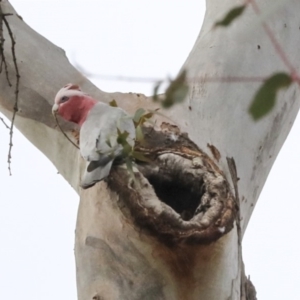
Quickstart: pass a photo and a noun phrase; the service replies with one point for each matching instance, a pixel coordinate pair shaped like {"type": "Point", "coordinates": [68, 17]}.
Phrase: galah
{"type": "Point", "coordinates": [100, 126]}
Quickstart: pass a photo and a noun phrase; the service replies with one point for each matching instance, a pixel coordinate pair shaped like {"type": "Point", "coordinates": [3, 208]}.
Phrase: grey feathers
{"type": "Point", "coordinates": [98, 140]}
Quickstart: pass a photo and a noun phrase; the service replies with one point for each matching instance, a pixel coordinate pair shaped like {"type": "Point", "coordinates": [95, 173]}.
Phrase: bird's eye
{"type": "Point", "coordinates": [64, 99]}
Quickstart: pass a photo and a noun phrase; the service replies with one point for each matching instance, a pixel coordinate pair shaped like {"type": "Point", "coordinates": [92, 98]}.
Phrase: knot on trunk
{"type": "Point", "coordinates": [180, 196]}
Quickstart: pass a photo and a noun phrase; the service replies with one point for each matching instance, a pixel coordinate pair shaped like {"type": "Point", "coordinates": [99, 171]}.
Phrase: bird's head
{"type": "Point", "coordinates": [72, 104]}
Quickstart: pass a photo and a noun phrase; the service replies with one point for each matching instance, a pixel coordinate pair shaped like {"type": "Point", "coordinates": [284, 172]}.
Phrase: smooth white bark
{"type": "Point", "coordinates": [218, 112]}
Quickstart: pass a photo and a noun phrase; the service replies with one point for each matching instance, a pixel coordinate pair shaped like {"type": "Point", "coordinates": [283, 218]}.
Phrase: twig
{"type": "Point", "coordinates": [2, 120]}
{"type": "Point", "coordinates": [15, 109]}
{"type": "Point", "coordinates": [55, 115]}
{"type": "Point", "coordinates": [2, 40]}
{"type": "Point", "coordinates": [226, 79]}
{"type": "Point", "coordinates": [124, 78]}
{"type": "Point", "coordinates": [155, 80]}
{"type": "Point", "coordinates": [229, 79]}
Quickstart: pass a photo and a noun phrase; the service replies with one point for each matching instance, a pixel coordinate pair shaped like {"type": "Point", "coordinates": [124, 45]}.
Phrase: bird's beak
{"type": "Point", "coordinates": [55, 108]}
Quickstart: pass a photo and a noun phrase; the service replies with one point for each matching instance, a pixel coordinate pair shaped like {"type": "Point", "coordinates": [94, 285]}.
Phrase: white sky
{"type": "Point", "coordinates": [38, 208]}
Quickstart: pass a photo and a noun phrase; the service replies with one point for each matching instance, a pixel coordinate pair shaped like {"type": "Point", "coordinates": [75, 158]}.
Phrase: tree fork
{"type": "Point", "coordinates": [113, 258]}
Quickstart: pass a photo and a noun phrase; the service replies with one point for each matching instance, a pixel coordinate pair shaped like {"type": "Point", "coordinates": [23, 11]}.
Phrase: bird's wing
{"type": "Point", "coordinates": [98, 174]}
{"type": "Point", "coordinates": [99, 133]}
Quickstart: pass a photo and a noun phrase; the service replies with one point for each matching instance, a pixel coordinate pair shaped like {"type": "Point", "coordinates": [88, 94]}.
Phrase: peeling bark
{"type": "Point", "coordinates": [181, 196]}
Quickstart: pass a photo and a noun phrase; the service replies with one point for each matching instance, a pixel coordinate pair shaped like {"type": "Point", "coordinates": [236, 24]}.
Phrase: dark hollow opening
{"type": "Point", "coordinates": [181, 194]}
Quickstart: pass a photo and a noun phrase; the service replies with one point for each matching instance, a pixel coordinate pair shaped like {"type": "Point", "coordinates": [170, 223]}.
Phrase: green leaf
{"type": "Point", "coordinates": [145, 118]}
{"type": "Point", "coordinates": [265, 97]}
{"type": "Point", "coordinates": [176, 91]}
{"type": "Point", "coordinates": [113, 103]}
{"type": "Point", "coordinates": [148, 115]}
{"type": "Point", "coordinates": [140, 156]}
{"type": "Point", "coordinates": [155, 91]}
{"type": "Point", "coordinates": [141, 116]}
{"type": "Point", "coordinates": [129, 166]}
{"type": "Point", "coordinates": [138, 114]}
{"type": "Point", "coordinates": [127, 150]}
{"type": "Point", "coordinates": [122, 136]}
{"type": "Point", "coordinates": [231, 16]}
{"type": "Point", "coordinates": [122, 140]}
{"type": "Point", "coordinates": [139, 133]}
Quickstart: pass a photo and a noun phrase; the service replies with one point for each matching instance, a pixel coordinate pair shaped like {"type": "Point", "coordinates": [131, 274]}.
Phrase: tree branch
{"type": "Point", "coordinates": [2, 120]}
{"type": "Point", "coordinates": [36, 93]}
{"type": "Point", "coordinates": [13, 52]}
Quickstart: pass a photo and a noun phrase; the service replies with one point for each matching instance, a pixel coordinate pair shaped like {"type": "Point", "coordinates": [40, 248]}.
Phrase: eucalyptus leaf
{"type": "Point", "coordinates": [122, 136]}
{"type": "Point", "coordinates": [113, 103]}
{"type": "Point", "coordinates": [140, 156]}
{"type": "Point", "coordinates": [138, 114]}
{"type": "Point", "coordinates": [155, 91]}
{"type": "Point", "coordinates": [265, 98]}
{"type": "Point", "coordinates": [139, 133]}
{"type": "Point", "coordinates": [129, 165]}
{"type": "Point", "coordinates": [176, 91]}
{"type": "Point", "coordinates": [231, 16]}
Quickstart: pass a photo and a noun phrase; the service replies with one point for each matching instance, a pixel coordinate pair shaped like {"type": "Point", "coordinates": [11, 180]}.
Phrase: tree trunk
{"type": "Point", "coordinates": [134, 240]}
